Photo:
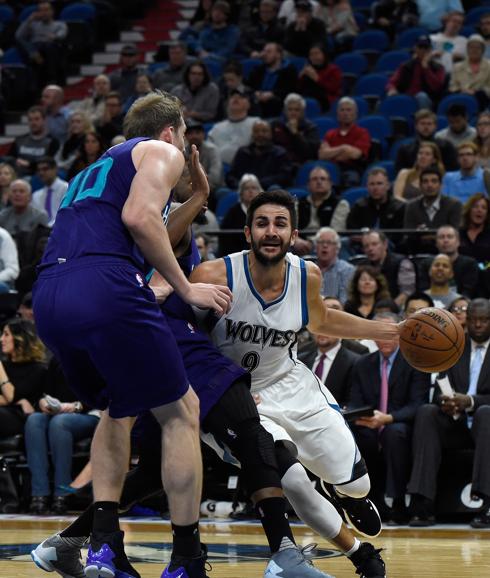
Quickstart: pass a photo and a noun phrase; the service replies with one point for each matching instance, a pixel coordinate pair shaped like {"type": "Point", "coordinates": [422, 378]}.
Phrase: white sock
{"type": "Point", "coordinates": [315, 510]}
{"type": "Point", "coordinates": [354, 548]}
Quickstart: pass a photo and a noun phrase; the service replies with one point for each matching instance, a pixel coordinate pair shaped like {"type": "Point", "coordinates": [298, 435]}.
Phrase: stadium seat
{"type": "Point", "coordinates": [362, 106]}
{"type": "Point", "coordinates": [248, 64]}
{"type": "Point", "coordinates": [298, 192]}
{"type": "Point", "coordinates": [27, 11]}
{"type": "Point", "coordinates": [407, 38]}
{"type": "Point", "coordinates": [400, 109]}
{"type": "Point", "coordinates": [442, 122]}
{"type": "Point", "coordinates": [371, 43]}
{"type": "Point", "coordinates": [379, 127]}
{"type": "Point", "coordinates": [364, 5]}
{"type": "Point", "coordinates": [215, 67]}
{"type": "Point", "coordinates": [466, 100]}
{"type": "Point", "coordinates": [224, 204]}
{"type": "Point", "coordinates": [469, 30]}
{"type": "Point", "coordinates": [305, 169]}
{"type": "Point", "coordinates": [6, 14]}
{"type": "Point", "coordinates": [361, 20]}
{"type": "Point", "coordinates": [389, 166]}
{"type": "Point", "coordinates": [372, 87]}
{"type": "Point", "coordinates": [12, 56]}
{"type": "Point", "coordinates": [297, 61]}
{"type": "Point", "coordinates": [473, 16]}
{"type": "Point", "coordinates": [389, 61]}
{"type": "Point", "coordinates": [352, 63]}
{"type": "Point", "coordinates": [313, 108]}
{"type": "Point", "coordinates": [78, 11]}
{"type": "Point", "coordinates": [324, 124]}
{"type": "Point", "coordinates": [351, 195]}
{"type": "Point", "coordinates": [396, 145]}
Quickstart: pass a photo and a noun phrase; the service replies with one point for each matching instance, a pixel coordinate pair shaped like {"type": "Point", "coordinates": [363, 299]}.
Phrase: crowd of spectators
{"type": "Point", "coordinates": [392, 218]}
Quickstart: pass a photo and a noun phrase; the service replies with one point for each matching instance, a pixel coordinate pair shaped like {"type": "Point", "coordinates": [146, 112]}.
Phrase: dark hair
{"type": "Point", "coordinates": [419, 296]}
{"type": "Point", "coordinates": [36, 109]}
{"type": "Point", "coordinates": [382, 236]}
{"type": "Point", "coordinates": [114, 94]}
{"type": "Point", "coordinates": [46, 160]}
{"type": "Point", "coordinates": [432, 170]}
{"type": "Point", "coordinates": [204, 68]}
{"type": "Point", "coordinates": [233, 66]}
{"type": "Point", "coordinates": [460, 298]}
{"type": "Point", "coordinates": [27, 345]}
{"type": "Point", "coordinates": [324, 51]}
{"type": "Point", "coordinates": [477, 303]}
{"type": "Point", "coordinates": [382, 291]}
{"type": "Point", "coordinates": [456, 109]}
{"type": "Point", "coordinates": [469, 205]}
{"type": "Point", "coordinates": [386, 304]}
{"type": "Point", "coordinates": [274, 197]}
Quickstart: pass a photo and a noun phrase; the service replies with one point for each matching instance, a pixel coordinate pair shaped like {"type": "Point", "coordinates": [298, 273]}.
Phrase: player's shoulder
{"type": "Point", "coordinates": [210, 272]}
{"type": "Point", "coordinates": [153, 149]}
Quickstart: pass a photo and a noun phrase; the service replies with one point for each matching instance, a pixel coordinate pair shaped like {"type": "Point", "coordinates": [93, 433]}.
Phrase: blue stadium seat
{"type": "Point", "coordinates": [407, 38]}
{"type": "Point", "coordinates": [297, 61]}
{"type": "Point", "coordinates": [12, 56]}
{"type": "Point", "coordinates": [313, 107]}
{"type": "Point", "coordinates": [396, 145]}
{"type": "Point", "coordinates": [224, 204]}
{"type": "Point", "coordinates": [27, 11]}
{"type": "Point", "coordinates": [442, 122]}
{"type": "Point", "coordinates": [305, 169]}
{"type": "Point", "coordinates": [207, 127]}
{"type": "Point", "coordinates": [466, 100]}
{"type": "Point", "coordinates": [362, 106]}
{"type": "Point", "coordinates": [154, 66]}
{"type": "Point", "coordinates": [353, 194]}
{"type": "Point", "coordinates": [215, 67]}
{"type": "Point", "coordinates": [371, 85]}
{"type": "Point", "coordinates": [248, 64]}
{"type": "Point", "coordinates": [473, 16]}
{"type": "Point", "coordinates": [361, 20]}
{"type": "Point", "coordinates": [324, 124]}
{"type": "Point", "coordinates": [389, 61]}
{"type": "Point", "coordinates": [78, 11]}
{"type": "Point", "coordinates": [352, 63]}
{"type": "Point", "coordinates": [298, 192]}
{"type": "Point", "coordinates": [371, 43]}
{"type": "Point", "coordinates": [389, 166]}
{"type": "Point", "coordinates": [400, 109]}
{"type": "Point", "coordinates": [361, 5]}
{"type": "Point", "coordinates": [469, 30]}
{"type": "Point", "coordinates": [379, 127]}
{"type": "Point", "coordinates": [7, 14]}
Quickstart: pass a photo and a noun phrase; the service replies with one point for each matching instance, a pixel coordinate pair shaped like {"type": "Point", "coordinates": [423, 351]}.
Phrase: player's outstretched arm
{"type": "Point", "coordinates": [211, 274]}
{"type": "Point", "coordinates": [336, 323]}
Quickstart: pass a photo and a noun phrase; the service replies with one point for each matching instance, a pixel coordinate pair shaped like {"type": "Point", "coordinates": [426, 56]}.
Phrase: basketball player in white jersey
{"type": "Point", "coordinates": [275, 294]}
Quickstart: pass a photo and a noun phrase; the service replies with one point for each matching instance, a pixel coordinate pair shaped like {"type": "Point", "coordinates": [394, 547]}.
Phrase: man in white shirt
{"type": "Point", "coordinates": [9, 261]}
{"type": "Point", "coordinates": [449, 45]}
{"type": "Point", "coordinates": [49, 197]}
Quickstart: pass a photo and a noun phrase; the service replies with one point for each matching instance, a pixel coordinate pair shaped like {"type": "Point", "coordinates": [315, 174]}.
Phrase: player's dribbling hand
{"type": "Point", "coordinates": [207, 296]}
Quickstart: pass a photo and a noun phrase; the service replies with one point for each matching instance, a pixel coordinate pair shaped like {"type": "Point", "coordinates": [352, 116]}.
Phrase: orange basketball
{"type": "Point", "coordinates": [432, 340]}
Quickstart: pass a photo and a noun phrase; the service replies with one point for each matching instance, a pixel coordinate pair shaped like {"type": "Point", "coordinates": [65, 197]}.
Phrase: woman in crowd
{"type": "Point", "coordinates": [483, 139]}
{"type": "Point", "coordinates": [198, 93]}
{"type": "Point", "coordinates": [339, 20]}
{"type": "Point", "coordinates": [366, 288]}
{"type": "Point", "coordinates": [319, 78]}
{"type": "Point", "coordinates": [458, 308]}
{"type": "Point", "coordinates": [7, 175]}
{"type": "Point", "coordinates": [475, 232]}
{"type": "Point", "coordinates": [21, 375]}
{"type": "Point", "coordinates": [142, 87]}
{"type": "Point", "coordinates": [407, 182]}
{"type": "Point", "coordinates": [78, 126]}
{"type": "Point", "coordinates": [51, 432]}
{"type": "Point", "coordinates": [91, 149]}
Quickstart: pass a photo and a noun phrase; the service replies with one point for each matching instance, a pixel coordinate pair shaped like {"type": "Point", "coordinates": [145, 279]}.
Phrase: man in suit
{"type": "Point", "coordinates": [384, 380]}
{"type": "Point", "coordinates": [461, 421]}
{"type": "Point", "coordinates": [430, 211]}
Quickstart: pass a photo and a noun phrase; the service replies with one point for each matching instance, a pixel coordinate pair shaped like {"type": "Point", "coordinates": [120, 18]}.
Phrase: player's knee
{"type": "Point", "coordinates": [295, 482]}
{"type": "Point", "coordinates": [358, 488]}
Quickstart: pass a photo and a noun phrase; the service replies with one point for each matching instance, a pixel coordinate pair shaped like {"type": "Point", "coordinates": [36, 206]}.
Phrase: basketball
{"type": "Point", "coordinates": [432, 340]}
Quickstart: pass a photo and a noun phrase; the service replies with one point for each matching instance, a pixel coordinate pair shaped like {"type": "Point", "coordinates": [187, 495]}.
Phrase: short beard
{"type": "Point", "coordinates": [267, 261]}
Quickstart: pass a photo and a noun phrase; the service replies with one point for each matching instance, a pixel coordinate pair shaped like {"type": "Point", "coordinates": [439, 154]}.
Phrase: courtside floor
{"type": "Point", "coordinates": [239, 550]}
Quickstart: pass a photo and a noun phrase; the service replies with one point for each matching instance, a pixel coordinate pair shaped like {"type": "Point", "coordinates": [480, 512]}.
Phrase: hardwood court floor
{"type": "Point", "coordinates": [239, 551]}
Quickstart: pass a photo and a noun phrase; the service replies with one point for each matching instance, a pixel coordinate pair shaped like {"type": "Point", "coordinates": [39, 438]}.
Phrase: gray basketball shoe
{"type": "Point", "coordinates": [61, 555]}
{"type": "Point", "coordinates": [292, 563]}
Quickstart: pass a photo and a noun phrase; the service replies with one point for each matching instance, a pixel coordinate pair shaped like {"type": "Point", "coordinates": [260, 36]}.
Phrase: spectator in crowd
{"type": "Point", "coordinates": [398, 270]}
{"type": "Point", "coordinates": [425, 128]}
{"type": "Point", "coordinates": [49, 197]}
{"type": "Point", "coordinates": [288, 13]}
{"type": "Point", "coordinates": [7, 175]}
{"type": "Point", "coordinates": [124, 77]}
{"type": "Point", "coordinates": [21, 216]}
{"type": "Point", "coordinates": [458, 130]}
{"type": "Point", "coordinates": [367, 287]}
{"type": "Point", "coordinates": [209, 155]}
{"type": "Point", "coordinates": [298, 135]}
{"type": "Point", "coordinates": [322, 207]}
{"type": "Point", "coordinates": [336, 273]}
{"type": "Point", "coordinates": [28, 149]}
{"type": "Point", "coordinates": [482, 139]}
{"type": "Point", "coordinates": [430, 211]}
{"type": "Point", "coordinates": [267, 29]}
{"type": "Point", "coordinates": [349, 145]}
{"type": "Point", "coordinates": [9, 262]}
{"type": "Point", "coordinates": [142, 87]}
{"type": "Point", "coordinates": [248, 188]}
{"type": "Point", "coordinates": [25, 310]}
{"type": "Point", "coordinates": [416, 301]}
{"type": "Point", "coordinates": [272, 80]}
{"type": "Point", "coordinates": [461, 421]}
{"type": "Point", "coordinates": [203, 246]}
{"type": "Point", "coordinates": [21, 374]}
{"type": "Point", "coordinates": [31, 247]}
{"type": "Point", "coordinates": [432, 13]}
{"type": "Point", "coordinates": [172, 74]}
{"type": "Point", "coordinates": [484, 29]}
{"type": "Point", "coordinates": [198, 92]}
{"type": "Point", "coordinates": [472, 76]}
{"type": "Point", "coordinates": [111, 124]}
{"type": "Point", "coordinates": [441, 276]}
{"type": "Point", "coordinates": [267, 161]}
{"type": "Point", "coordinates": [394, 15]}
{"type": "Point", "coordinates": [422, 76]}
{"type": "Point", "coordinates": [475, 232]}
{"type": "Point", "coordinates": [378, 210]}
{"type": "Point", "coordinates": [305, 31]}
{"type": "Point", "coordinates": [79, 125]}
{"type": "Point", "coordinates": [218, 39]}
{"type": "Point", "coordinates": [385, 381]}
{"type": "Point", "coordinates": [232, 80]}
{"type": "Point", "coordinates": [319, 78]}
{"type": "Point", "coordinates": [94, 105]}
{"type": "Point", "coordinates": [200, 19]}
{"type": "Point", "coordinates": [41, 40]}
{"type": "Point", "coordinates": [52, 99]}
{"type": "Point", "coordinates": [407, 182]}
{"type": "Point", "coordinates": [449, 45]}
{"type": "Point", "coordinates": [340, 22]}
{"type": "Point", "coordinates": [470, 179]}
{"type": "Point", "coordinates": [459, 308]}
{"type": "Point", "coordinates": [50, 432]}
{"type": "Point", "coordinates": [236, 131]}
{"type": "Point", "coordinates": [93, 146]}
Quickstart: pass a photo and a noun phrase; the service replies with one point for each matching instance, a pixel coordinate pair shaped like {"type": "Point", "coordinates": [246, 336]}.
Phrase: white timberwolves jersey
{"type": "Point", "coordinates": [260, 336]}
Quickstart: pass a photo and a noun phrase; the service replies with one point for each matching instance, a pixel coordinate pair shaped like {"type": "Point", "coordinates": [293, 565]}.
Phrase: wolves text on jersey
{"type": "Point", "coordinates": [259, 334]}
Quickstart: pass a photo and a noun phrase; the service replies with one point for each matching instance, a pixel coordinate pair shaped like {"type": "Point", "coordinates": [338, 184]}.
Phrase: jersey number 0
{"type": "Point", "coordinates": [88, 183]}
